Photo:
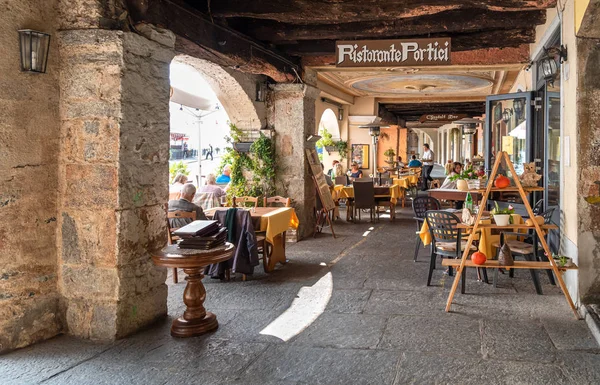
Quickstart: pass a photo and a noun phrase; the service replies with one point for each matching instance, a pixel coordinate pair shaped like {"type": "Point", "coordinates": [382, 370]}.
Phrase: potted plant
{"type": "Point", "coordinates": [466, 180]}
{"type": "Point", "coordinates": [390, 153]}
{"type": "Point", "coordinates": [342, 147]}
{"type": "Point", "coordinates": [241, 140]}
{"type": "Point", "coordinates": [326, 141]}
{"type": "Point", "coordinates": [502, 217]}
{"type": "Point", "coordinates": [562, 260]}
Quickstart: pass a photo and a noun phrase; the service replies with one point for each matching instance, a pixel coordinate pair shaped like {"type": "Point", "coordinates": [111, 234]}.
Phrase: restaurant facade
{"type": "Point", "coordinates": [92, 184]}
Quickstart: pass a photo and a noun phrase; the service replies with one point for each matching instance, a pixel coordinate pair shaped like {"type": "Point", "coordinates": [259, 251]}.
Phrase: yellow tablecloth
{"type": "Point", "coordinates": [486, 238]}
{"type": "Point", "coordinates": [342, 191]}
{"type": "Point", "coordinates": [278, 221]}
{"type": "Point", "coordinates": [406, 181]}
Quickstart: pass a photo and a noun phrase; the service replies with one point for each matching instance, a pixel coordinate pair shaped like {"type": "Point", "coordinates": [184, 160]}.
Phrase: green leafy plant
{"type": "Point", "coordinates": [178, 168]}
{"type": "Point", "coordinates": [390, 152]}
{"type": "Point", "coordinates": [342, 147]}
{"type": "Point", "coordinates": [235, 134]}
{"type": "Point", "coordinates": [326, 139]}
{"type": "Point", "coordinates": [561, 260]}
{"type": "Point", "coordinates": [465, 175]}
{"type": "Point", "coordinates": [506, 211]}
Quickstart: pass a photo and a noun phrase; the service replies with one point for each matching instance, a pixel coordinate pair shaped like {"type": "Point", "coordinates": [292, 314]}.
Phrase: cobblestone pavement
{"type": "Point", "coordinates": [351, 310]}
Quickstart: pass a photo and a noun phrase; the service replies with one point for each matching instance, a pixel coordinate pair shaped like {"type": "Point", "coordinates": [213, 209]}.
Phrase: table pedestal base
{"type": "Point", "coordinates": [190, 328]}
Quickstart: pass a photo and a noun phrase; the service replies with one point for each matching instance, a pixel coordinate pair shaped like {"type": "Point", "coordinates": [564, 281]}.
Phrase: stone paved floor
{"type": "Point", "coordinates": [352, 310]}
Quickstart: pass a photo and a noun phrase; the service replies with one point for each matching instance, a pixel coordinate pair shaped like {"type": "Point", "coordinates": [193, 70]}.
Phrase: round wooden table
{"type": "Point", "coordinates": [195, 320]}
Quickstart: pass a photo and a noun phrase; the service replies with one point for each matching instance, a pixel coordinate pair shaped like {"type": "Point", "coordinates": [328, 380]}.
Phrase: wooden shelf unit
{"type": "Point", "coordinates": [464, 262]}
{"type": "Point", "coordinates": [490, 264]}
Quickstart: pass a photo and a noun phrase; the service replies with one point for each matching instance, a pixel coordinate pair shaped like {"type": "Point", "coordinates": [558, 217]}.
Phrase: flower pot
{"type": "Point", "coordinates": [473, 184]}
{"type": "Point", "coordinates": [462, 185]}
{"type": "Point", "coordinates": [568, 263]}
{"type": "Point", "coordinates": [502, 219]}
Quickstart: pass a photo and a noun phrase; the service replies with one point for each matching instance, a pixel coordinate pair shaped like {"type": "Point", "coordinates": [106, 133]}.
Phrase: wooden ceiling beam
{"type": "Point", "coordinates": [201, 38]}
{"type": "Point", "coordinates": [460, 42]}
{"type": "Point", "coordinates": [460, 21]}
{"type": "Point", "coordinates": [324, 12]}
{"type": "Point", "coordinates": [484, 56]}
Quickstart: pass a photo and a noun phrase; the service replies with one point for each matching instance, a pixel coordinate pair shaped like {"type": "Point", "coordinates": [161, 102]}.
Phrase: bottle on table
{"type": "Point", "coordinates": [469, 202]}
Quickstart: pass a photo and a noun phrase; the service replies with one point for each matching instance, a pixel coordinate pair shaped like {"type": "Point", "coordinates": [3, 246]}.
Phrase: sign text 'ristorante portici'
{"type": "Point", "coordinates": [393, 53]}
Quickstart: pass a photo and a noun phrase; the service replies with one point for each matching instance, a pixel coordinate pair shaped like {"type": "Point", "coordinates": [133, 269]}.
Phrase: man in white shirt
{"type": "Point", "coordinates": [427, 160]}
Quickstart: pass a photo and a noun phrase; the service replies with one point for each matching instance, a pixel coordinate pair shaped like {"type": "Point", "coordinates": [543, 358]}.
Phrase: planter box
{"type": "Point", "coordinates": [242, 146]}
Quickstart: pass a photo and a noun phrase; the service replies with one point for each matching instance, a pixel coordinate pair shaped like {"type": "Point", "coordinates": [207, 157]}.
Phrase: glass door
{"type": "Point", "coordinates": [509, 127]}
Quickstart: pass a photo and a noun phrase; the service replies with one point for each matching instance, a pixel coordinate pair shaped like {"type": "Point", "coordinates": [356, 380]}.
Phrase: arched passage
{"type": "Point", "coordinates": [235, 91]}
{"type": "Point", "coordinates": [329, 122]}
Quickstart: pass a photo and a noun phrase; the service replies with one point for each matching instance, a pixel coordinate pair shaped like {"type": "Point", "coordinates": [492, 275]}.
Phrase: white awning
{"type": "Point", "coordinates": [193, 101]}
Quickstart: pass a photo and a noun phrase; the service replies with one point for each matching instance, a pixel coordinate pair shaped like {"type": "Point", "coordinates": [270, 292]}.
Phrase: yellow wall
{"type": "Point", "coordinates": [579, 10]}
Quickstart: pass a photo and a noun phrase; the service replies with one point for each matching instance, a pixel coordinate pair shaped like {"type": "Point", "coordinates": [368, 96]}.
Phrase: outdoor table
{"type": "Point", "coordinates": [452, 195]}
{"type": "Point", "coordinates": [394, 192]}
{"type": "Point", "coordinates": [274, 221]}
{"type": "Point", "coordinates": [195, 320]}
{"type": "Point", "coordinates": [406, 181]}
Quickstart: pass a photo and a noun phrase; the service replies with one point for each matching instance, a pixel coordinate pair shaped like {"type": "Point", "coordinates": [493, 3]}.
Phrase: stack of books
{"type": "Point", "coordinates": [204, 235]}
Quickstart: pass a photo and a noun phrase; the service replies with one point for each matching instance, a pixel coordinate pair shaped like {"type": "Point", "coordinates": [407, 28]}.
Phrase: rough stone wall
{"type": "Point", "coordinates": [115, 135]}
{"type": "Point", "coordinates": [29, 130]}
{"type": "Point", "coordinates": [588, 204]}
{"type": "Point", "coordinates": [292, 114]}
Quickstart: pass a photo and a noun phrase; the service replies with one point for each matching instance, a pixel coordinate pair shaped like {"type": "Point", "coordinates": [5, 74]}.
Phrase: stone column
{"type": "Point", "coordinates": [292, 114]}
{"type": "Point", "coordinates": [114, 112]}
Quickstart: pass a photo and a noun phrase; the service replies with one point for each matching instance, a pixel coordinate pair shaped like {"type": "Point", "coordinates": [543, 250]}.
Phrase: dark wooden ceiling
{"type": "Point", "coordinates": [311, 27]}
{"type": "Point", "coordinates": [413, 111]}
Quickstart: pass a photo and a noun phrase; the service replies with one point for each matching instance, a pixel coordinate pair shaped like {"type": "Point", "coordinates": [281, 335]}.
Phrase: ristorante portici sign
{"type": "Point", "coordinates": [393, 53]}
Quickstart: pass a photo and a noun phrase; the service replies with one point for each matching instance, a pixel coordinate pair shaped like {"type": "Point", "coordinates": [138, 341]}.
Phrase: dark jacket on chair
{"type": "Point", "coordinates": [246, 251]}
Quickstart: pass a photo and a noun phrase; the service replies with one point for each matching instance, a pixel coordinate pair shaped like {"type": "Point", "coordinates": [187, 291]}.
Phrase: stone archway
{"type": "Point", "coordinates": [329, 121]}
{"type": "Point", "coordinates": [235, 91]}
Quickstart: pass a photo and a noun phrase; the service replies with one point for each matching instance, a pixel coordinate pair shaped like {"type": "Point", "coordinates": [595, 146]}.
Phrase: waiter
{"type": "Point", "coordinates": [427, 160]}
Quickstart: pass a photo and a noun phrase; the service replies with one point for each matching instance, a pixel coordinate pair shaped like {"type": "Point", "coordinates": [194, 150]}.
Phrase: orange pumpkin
{"type": "Point", "coordinates": [502, 182]}
{"type": "Point", "coordinates": [478, 258]}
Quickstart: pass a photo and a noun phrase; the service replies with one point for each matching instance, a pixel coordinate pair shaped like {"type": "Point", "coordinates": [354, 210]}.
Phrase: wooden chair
{"type": "Point", "coordinates": [243, 200]}
{"type": "Point", "coordinates": [275, 200]}
{"type": "Point", "coordinates": [446, 241]}
{"type": "Point", "coordinates": [420, 206]}
{"type": "Point", "coordinates": [171, 238]}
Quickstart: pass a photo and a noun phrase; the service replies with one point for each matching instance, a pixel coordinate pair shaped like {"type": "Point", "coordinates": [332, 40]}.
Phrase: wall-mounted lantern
{"type": "Point", "coordinates": [261, 91]}
{"type": "Point", "coordinates": [518, 106]}
{"type": "Point", "coordinates": [507, 114]}
{"type": "Point", "coordinates": [340, 114]}
{"type": "Point", "coordinates": [34, 47]}
{"type": "Point", "coordinates": [549, 64]}
{"type": "Point", "coordinates": [468, 125]}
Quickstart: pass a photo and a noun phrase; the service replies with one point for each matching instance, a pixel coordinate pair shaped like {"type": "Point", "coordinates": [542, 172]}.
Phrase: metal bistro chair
{"type": "Point", "coordinates": [420, 206]}
{"type": "Point", "coordinates": [364, 196]}
{"type": "Point", "coordinates": [191, 215]}
{"type": "Point", "coordinates": [446, 241]}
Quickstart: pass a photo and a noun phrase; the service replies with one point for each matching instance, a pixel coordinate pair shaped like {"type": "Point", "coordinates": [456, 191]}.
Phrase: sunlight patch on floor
{"type": "Point", "coordinates": [308, 305]}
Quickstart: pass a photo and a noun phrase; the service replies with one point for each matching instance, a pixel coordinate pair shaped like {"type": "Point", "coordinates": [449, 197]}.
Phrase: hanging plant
{"type": "Point", "coordinates": [342, 147]}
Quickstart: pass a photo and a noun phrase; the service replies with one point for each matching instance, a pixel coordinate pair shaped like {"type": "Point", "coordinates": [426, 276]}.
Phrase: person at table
{"type": "Point", "coordinates": [427, 160]}
{"type": "Point", "coordinates": [330, 171]}
{"type": "Point", "coordinates": [225, 177]}
{"type": "Point", "coordinates": [355, 172]}
{"type": "Point", "coordinates": [327, 177]}
{"type": "Point", "coordinates": [451, 184]}
{"type": "Point", "coordinates": [211, 186]}
{"type": "Point", "coordinates": [178, 183]}
{"type": "Point", "coordinates": [184, 203]}
{"type": "Point", "coordinates": [400, 162]}
{"type": "Point", "coordinates": [448, 167]}
{"type": "Point", "coordinates": [414, 162]}
{"type": "Point", "coordinates": [338, 170]}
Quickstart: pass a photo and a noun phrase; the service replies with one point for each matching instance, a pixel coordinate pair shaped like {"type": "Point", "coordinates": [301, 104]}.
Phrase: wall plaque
{"type": "Point", "coordinates": [431, 118]}
{"type": "Point", "coordinates": [394, 53]}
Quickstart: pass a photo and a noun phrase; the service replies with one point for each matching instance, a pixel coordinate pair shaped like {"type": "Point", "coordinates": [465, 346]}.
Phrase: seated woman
{"type": "Point", "coordinates": [338, 171]}
{"type": "Point", "coordinates": [355, 172]}
{"type": "Point", "coordinates": [451, 184]}
{"type": "Point", "coordinates": [211, 186]}
{"type": "Point", "coordinates": [175, 189]}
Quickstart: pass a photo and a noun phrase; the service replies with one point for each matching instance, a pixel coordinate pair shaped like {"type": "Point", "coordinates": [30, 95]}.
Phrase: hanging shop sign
{"type": "Point", "coordinates": [393, 53]}
{"type": "Point", "coordinates": [432, 118]}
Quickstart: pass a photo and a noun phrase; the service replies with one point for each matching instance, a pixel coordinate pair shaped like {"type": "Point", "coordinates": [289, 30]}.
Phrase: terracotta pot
{"type": "Point", "coordinates": [462, 185]}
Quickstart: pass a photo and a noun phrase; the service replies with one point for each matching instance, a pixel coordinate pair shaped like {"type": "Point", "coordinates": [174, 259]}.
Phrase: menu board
{"type": "Point", "coordinates": [322, 186]}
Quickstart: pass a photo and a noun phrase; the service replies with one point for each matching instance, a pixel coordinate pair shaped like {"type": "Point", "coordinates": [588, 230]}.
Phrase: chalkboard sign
{"type": "Point", "coordinates": [319, 177]}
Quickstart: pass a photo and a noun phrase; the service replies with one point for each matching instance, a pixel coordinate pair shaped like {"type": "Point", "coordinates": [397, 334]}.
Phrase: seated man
{"type": "Point", "coordinates": [330, 172]}
{"type": "Point", "coordinates": [327, 177]}
{"type": "Point", "coordinates": [414, 162]}
{"type": "Point", "coordinates": [211, 186]}
{"type": "Point", "coordinates": [226, 176]}
{"type": "Point", "coordinates": [185, 204]}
